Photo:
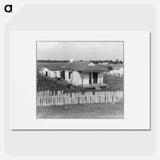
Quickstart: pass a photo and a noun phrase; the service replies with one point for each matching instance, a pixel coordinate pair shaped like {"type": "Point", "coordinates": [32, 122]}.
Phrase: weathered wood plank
{"type": "Point", "coordinates": [47, 98]}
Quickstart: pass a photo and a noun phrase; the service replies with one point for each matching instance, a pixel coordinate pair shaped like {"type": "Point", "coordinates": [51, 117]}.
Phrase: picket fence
{"type": "Point", "coordinates": [48, 98]}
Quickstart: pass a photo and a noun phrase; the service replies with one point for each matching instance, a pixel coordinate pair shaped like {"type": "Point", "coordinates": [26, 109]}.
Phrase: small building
{"type": "Point", "coordinates": [44, 71]}
{"type": "Point", "coordinates": [54, 74]}
{"type": "Point", "coordinates": [117, 71]}
{"type": "Point", "coordinates": [82, 73]}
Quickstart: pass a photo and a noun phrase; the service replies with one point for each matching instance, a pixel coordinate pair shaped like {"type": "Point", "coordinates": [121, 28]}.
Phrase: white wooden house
{"type": "Point", "coordinates": [44, 71]}
{"type": "Point", "coordinates": [82, 73]}
{"type": "Point", "coordinates": [117, 71]}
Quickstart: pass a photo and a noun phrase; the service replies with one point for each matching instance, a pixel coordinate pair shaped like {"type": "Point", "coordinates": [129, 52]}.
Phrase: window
{"type": "Point", "coordinates": [70, 74]}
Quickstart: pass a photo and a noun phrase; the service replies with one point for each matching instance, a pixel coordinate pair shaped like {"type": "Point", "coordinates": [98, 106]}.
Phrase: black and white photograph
{"type": "Point", "coordinates": [80, 79]}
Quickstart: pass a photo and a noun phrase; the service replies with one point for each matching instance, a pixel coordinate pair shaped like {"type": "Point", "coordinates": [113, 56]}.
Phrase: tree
{"type": "Point", "coordinates": [117, 61]}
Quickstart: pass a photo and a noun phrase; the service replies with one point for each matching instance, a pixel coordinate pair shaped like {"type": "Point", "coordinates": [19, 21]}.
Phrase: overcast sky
{"type": "Point", "coordinates": [80, 50]}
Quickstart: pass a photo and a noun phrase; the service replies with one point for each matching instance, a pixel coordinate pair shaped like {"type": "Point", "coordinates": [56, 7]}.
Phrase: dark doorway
{"type": "Point", "coordinates": [63, 74]}
{"type": "Point", "coordinates": [95, 78]}
{"type": "Point", "coordinates": [90, 78]}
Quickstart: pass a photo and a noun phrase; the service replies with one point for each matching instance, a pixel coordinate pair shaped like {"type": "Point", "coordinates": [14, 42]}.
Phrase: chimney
{"type": "Point", "coordinates": [71, 60]}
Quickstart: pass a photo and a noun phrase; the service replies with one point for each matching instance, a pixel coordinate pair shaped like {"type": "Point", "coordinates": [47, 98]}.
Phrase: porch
{"type": "Point", "coordinates": [89, 86]}
{"type": "Point", "coordinates": [92, 79]}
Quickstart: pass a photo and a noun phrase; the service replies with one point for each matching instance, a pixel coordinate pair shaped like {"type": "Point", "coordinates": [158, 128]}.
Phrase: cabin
{"type": "Point", "coordinates": [44, 71]}
{"type": "Point", "coordinates": [82, 73]}
{"type": "Point", "coordinates": [117, 71]}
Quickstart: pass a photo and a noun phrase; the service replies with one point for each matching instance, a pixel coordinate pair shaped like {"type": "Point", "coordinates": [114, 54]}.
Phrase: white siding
{"type": "Point", "coordinates": [66, 75]}
{"type": "Point", "coordinates": [54, 74]}
{"type": "Point", "coordinates": [85, 78]}
{"type": "Point", "coordinates": [77, 79]}
{"type": "Point", "coordinates": [100, 78]}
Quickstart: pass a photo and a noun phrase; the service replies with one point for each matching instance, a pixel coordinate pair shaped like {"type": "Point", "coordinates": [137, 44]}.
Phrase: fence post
{"type": "Point", "coordinates": [47, 98]}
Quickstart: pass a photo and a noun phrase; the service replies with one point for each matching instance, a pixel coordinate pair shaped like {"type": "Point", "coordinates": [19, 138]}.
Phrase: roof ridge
{"type": "Point", "coordinates": [82, 66]}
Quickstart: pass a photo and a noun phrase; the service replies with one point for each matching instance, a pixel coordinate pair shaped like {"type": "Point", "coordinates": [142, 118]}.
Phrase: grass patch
{"type": "Point", "coordinates": [82, 111]}
{"type": "Point", "coordinates": [115, 83]}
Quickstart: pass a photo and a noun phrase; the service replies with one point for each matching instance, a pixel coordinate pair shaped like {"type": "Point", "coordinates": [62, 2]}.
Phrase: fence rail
{"type": "Point", "coordinates": [48, 98]}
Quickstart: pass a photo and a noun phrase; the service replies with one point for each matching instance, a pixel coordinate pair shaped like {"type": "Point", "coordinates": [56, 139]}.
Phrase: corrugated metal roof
{"type": "Point", "coordinates": [94, 69]}
{"type": "Point", "coordinates": [83, 66]}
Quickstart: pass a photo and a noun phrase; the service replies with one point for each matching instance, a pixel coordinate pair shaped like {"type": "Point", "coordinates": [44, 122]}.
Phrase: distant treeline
{"type": "Point", "coordinates": [107, 61]}
{"type": "Point", "coordinates": [94, 61]}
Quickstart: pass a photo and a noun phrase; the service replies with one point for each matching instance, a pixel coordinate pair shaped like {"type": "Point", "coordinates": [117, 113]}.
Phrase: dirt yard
{"type": "Point", "coordinates": [82, 111]}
